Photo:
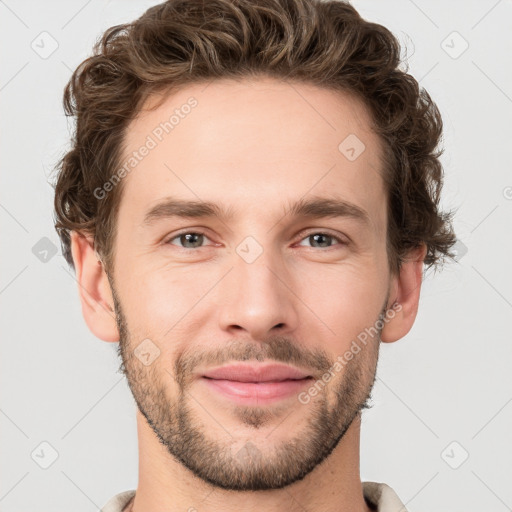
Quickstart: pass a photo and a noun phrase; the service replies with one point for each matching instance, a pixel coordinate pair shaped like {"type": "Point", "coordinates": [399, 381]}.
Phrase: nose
{"type": "Point", "coordinates": [259, 297]}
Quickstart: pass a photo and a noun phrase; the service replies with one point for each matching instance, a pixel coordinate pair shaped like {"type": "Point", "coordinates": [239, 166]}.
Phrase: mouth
{"type": "Point", "coordinates": [256, 384]}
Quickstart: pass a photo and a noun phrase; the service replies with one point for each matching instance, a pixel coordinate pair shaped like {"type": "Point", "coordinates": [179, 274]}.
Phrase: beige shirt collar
{"type": "Point", "coordinates": [379, 495]}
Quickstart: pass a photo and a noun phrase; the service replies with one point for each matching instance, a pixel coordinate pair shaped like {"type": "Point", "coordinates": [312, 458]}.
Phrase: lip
{"type": "Point", "coordinates": [256, 373]}
{"type": "Point", "coordinates": [260, 384]}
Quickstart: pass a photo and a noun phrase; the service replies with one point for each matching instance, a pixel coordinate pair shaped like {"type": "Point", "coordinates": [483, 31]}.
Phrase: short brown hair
{"type": "Point", "coordinates": [321, 42]}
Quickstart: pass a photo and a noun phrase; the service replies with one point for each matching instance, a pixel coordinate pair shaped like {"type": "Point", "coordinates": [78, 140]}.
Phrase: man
{"type": "Point", "coordinates": [249, 202]}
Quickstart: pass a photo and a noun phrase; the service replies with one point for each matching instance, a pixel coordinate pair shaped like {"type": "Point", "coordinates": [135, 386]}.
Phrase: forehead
{"type": "Point", "coordinates": [241, 143]}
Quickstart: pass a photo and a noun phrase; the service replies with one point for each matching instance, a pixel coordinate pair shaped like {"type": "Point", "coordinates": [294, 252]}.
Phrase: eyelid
{"type": "Point", "coordinates": [341, 238]}
{"type": "Point", "coordinates": [185, 231]}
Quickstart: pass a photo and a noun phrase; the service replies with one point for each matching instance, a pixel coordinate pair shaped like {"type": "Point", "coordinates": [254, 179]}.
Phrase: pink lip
{"type": "Point", "coordinates": [256, 373]}
{"type": "Point", "coordinates": [259, 384]}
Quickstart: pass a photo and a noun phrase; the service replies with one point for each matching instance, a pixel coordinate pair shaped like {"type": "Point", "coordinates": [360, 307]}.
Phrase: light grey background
{"type": "Point", "coordinates": [443, 392]}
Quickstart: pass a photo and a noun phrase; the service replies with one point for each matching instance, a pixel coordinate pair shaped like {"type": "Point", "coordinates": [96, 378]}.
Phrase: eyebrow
{"type": "Point", "coordinates": [315, 207]}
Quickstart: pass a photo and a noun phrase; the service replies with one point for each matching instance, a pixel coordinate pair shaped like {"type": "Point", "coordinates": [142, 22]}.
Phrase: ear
{"type": "Point", "coordinates": [405, 290]}
{"type": "Point", "coordinates": [94, 288]}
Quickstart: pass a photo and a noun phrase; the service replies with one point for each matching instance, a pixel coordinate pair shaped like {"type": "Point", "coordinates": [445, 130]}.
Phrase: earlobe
{"type": "Point", "coordinates": [94, 289]}
{"type": "Point", "coordinates": [406, 292]}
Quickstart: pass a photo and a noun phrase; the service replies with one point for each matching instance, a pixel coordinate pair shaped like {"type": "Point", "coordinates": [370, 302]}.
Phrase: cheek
{"type": "Point", "coordinates": [164, 302]}
{"type": "Point", "coordinates": [346, 300]}
{"type": "Point", "coordinates": [159, 302]}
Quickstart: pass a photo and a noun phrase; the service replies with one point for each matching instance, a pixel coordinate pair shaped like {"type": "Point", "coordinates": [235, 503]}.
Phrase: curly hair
{"type": "Point", "coordinates": [321, 42]}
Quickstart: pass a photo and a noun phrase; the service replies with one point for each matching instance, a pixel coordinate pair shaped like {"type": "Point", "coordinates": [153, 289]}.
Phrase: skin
{"type": "Point", "coordinates": [254, 147]}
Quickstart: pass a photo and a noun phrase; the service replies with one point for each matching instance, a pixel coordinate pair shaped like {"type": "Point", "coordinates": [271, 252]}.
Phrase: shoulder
{"type": "Point", "coordinates": [382, 497]}
{"type": "Point", "coordinates": [118, 502]}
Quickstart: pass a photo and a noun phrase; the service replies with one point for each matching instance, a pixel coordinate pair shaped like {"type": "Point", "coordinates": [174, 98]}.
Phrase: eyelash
{"type": "Point", "coordinates": [304, 236]}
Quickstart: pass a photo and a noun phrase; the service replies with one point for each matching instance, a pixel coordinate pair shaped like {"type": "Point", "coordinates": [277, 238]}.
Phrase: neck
{"type": "Point", "coordinates": [165, 484]}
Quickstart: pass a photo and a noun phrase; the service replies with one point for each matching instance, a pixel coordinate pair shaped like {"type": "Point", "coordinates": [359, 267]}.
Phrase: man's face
{"type": "Point", "coordinates": [262, 285]}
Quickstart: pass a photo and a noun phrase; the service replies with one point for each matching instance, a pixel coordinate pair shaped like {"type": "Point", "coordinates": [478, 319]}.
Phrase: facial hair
{"type": "Point", "coordinates": [179, 429]}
